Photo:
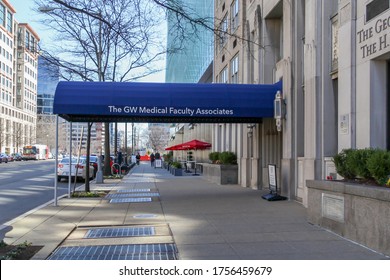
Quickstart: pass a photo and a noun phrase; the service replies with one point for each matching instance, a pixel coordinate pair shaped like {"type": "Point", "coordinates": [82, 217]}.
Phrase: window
{"type": "Point", "coordinates": [375, 8]}
{"type": "Point", "coordinates": [223, 76]}
{"type": "Point", "coordinates": [223, 32]}
{"type": "Point", "coordinates": [32, 44]}
{"type": "Point", "coordinates": [27, 40]}
{"type": "Point", "coordinates": [234, 15]}
{"type": "Point", "coordinates": [2, 15]}
{"type": "Point", "coordinates": [234, 70]}
{"type": "Point", "coordinates": [9, 22]}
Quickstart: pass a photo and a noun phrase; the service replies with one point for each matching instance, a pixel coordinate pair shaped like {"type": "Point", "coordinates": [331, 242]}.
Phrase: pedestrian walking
{"type": "Point", "coordinates": [152, 158]}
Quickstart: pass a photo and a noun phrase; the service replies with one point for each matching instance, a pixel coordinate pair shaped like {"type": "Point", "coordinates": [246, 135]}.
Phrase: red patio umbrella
{"type": "Point", "coordinates": [174, 148]}
{"type": "Point", "coordinates": [195, 145]}
{"type": "Point", "coordinates": [190, 145]}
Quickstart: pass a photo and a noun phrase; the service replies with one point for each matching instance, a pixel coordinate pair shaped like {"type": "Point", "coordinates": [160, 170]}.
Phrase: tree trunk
{"type": "Point", "coordinates": [107, 168]}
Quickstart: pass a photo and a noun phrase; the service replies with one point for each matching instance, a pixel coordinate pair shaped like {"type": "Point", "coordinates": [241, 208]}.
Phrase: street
{"type": "Point", "coordinates": [25, 185]}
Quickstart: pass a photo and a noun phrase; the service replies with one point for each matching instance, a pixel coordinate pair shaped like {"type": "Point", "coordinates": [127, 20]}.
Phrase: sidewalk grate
{"type": "Point", "coordinates": [131, 199]}
{"type": "Point", "coordinates": [124, 195]}
{"type": "Point", "coordinates": [133, 190]}
{"type": "Point", "coordinates": [120, 232]}
{"type": "Point", "coordinates": [161, 251]}
{"type": "Point", "coordinates": [145, 216]}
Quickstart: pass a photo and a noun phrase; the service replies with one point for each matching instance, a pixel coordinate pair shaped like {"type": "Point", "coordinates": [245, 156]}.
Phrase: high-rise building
{"type": "Point", "coordinates": [190, 60]}
{"type": "Point", "coordinates": [18, 86]}
{"type": "Point", "coordinates": [190, 51]}
{"type": "Point", "coordinates": [48, 78]}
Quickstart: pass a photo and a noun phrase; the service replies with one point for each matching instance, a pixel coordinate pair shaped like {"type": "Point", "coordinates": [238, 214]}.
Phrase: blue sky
{"type": "Point", "coordinates": [25, 14]}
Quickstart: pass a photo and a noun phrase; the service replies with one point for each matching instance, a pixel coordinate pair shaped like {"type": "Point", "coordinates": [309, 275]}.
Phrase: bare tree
{"type": "Point", "coordinates": [46, 128]}
{"type": "Point", "coordinates": [158, 137]}
{"type": "Point", "coordinates": [104, 40]}
{"type": "Point", "coordinates": [18, 136]}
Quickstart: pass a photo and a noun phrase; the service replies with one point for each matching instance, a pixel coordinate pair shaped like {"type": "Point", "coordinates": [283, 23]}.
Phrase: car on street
{"type": "Point", "coordinates": [93, 161]}
{"type": "Point", "coordinates": [3, 158]}
{"type": "Point", "coordinates": [17, 156]}
{"type": "Point", "coordinates": [80, 166]}
{"type": "Point", "coordinates": [10, 158]}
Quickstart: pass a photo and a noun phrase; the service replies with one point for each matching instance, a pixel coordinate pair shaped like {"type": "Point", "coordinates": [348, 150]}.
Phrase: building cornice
{"type": "Point", "coordinates": [27, 26]}
{"type": "Point", "coordinates": [9, 6]}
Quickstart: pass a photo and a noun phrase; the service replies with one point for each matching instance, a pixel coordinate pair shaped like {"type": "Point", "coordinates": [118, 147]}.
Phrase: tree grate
{"type": "Point", "coordinates": [133, 190]}
{"type": "Point", "coordinates": [120, 232]}
{"type": "Point", "coordinates": [161, 251]}
{"type": "Point", "coordinates": [124, 195]}
{"type": "Point", "coordinates": [131, 199]}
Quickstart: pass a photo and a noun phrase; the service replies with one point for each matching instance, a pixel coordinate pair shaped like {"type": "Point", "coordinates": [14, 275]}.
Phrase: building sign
{"type": "Point", "coordinates": [344, 124]}
{"type": "Point", "coordinates": [169, 111]}
{"type": "Point", "coordinates": [373, 37]}
{"type": "Point", "coordinates": [272, 177]}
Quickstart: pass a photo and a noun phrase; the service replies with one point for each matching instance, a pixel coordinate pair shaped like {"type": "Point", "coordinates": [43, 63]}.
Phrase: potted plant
{"type": "Point", "coordinates": [176, 168]}
{"type": "Point", "coordinates": [214, 157]}
{"type": "Point", "coordinates": [224, 168]}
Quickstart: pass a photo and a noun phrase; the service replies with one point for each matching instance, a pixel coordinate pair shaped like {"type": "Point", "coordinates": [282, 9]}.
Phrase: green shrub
{"type": "Point", "coordinates": [168, 157]}
{"type": "Point", "coordinates": [341, 162]}
{"type": "Point", "coordinates": [356, 162]}
{"type": "Point", "coordinates": [228, 158]}
{"type": "Point", "coordinates": [378, 164]}
{"type": "Point", "coordinates": [176, 164]}
{"type": "Point", "coordinates": [214, 156]}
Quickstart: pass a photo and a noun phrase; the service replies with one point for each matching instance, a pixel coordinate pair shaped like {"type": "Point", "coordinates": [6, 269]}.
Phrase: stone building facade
{"type": "Point", "coordinates": [333, 59]}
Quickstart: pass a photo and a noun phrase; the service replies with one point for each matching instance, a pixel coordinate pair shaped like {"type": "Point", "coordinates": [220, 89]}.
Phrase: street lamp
{"type": "Point", "coordinates": [46, 9]}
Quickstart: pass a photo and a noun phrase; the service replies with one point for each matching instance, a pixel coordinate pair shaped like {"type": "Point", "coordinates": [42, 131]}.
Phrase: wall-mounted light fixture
{"type": "Point", "coordinates": [250, 127]}
{"type": "Point", "coordinates": [279, 110]}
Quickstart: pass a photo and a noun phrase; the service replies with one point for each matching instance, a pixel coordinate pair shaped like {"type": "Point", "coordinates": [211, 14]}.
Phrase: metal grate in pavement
{"type": "Point", "coordinates": [145, 216]}
{"type": "Point", "coordinates": [131, 199]}
{"type": "Point", "coordinates": [133, 190]}
{"type": "Point", "coordinates": [123, 195]}
{"type": "Point", "coordinates": [160, 251]}
{"type": "Point", "coordinates": [120, 232]}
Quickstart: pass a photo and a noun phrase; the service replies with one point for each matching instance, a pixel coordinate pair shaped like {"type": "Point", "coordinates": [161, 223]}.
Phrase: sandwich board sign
{"type": "Point", "coordinates": [273, 185]}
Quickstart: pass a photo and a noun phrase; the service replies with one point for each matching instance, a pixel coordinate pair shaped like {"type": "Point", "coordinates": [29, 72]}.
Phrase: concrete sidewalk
{"type": "Point", "coordinates": [199, 219]}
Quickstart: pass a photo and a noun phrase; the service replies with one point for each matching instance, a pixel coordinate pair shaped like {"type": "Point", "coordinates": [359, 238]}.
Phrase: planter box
{"type": "Point", "coordinates": [358, 212]}
{"type": "Point", "coordinates": [221, 174]}
{"type": "Point", "coordinates": [177, 171]}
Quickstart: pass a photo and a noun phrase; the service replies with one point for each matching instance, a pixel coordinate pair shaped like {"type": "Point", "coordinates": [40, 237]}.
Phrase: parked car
{"type": "Point", "coordinates": [10, 158]}
{"type": "Point", "coordinates": [3, 158]}
{"type": "Point", "coordinates": [17, 156]}
{"type": "Point", "coordinates": [63, 169]}
{"type": "Point", "coordinates": [93, 161]}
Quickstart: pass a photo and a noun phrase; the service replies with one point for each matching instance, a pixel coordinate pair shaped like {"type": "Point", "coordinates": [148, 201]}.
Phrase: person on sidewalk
{"type": "Point", "coordinates": [152, 158]}
{"type": "Point", "coordinates": [157, 158]}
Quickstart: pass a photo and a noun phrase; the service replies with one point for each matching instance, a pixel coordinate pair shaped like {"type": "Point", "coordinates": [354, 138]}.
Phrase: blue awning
{"type": "Point", "coordinates": [164, 102]}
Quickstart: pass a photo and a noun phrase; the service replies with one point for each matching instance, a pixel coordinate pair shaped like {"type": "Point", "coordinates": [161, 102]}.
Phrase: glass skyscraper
{"type": "Point", "coordinates": [48, 77]}
{"type": "Point", "coordinates": [190, 55]}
